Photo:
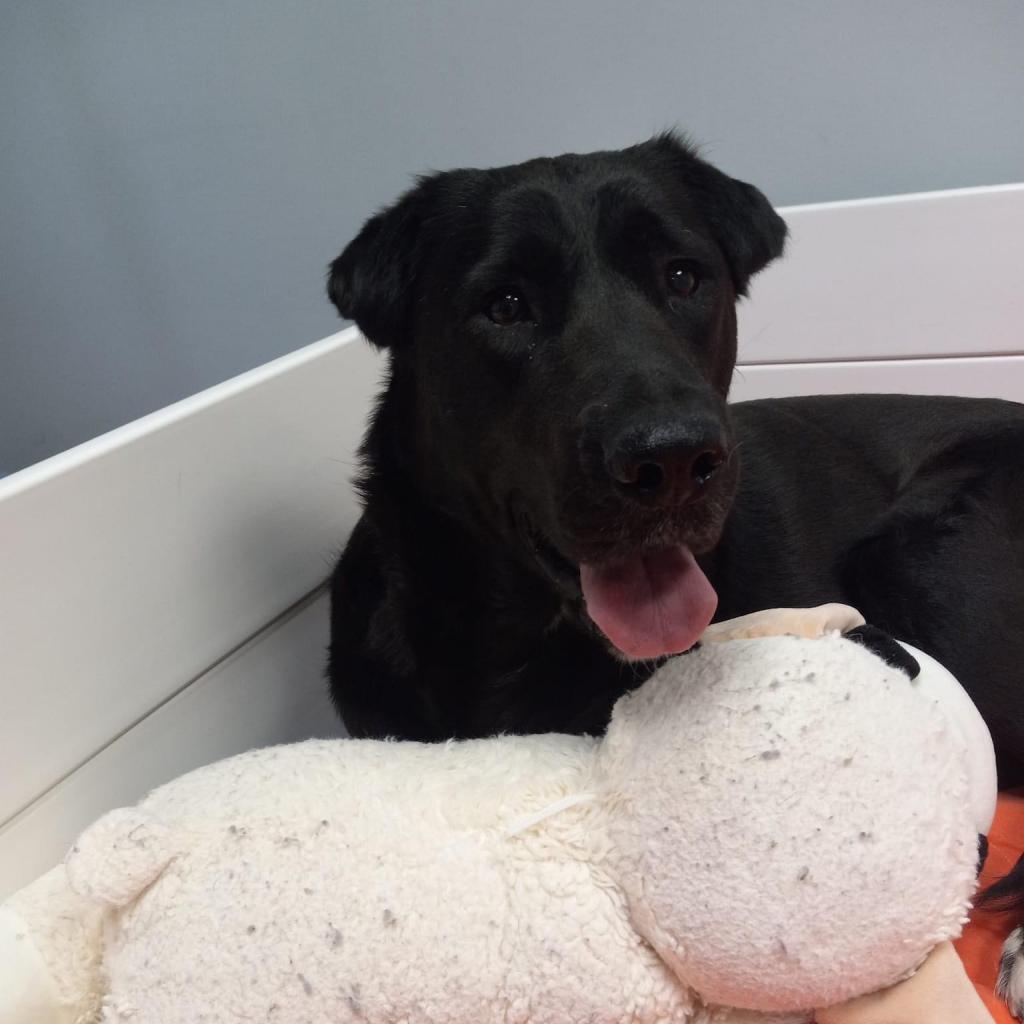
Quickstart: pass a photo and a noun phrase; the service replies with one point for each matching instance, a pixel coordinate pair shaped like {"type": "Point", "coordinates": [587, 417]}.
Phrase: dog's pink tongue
{"type": "Point", "coordinates": [656, 604]}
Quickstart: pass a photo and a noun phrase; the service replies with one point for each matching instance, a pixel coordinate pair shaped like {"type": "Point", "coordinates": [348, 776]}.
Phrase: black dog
{"type": "Point", "coordinates": [552, 478]}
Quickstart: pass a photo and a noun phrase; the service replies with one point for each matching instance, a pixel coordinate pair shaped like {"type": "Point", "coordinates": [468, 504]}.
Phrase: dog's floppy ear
{"type": "Point", "coordinates": [373, 280]}
{"type": "Point", "coordinates": [749, 231]}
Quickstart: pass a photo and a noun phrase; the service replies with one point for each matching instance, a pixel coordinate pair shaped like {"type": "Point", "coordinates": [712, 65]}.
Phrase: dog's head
{"type": "Point", "coordinates": [562, 335]}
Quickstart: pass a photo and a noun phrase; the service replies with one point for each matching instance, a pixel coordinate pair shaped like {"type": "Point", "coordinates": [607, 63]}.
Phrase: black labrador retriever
{"type": "Point", "coordinates": [557, 494]}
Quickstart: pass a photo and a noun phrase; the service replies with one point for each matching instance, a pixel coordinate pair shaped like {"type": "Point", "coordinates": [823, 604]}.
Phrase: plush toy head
{"type": "Point", "coordinates": [799, 819]}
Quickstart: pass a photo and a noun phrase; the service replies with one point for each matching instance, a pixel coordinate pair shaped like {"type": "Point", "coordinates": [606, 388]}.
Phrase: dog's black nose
{"type": "Point", "coordinates": [665, 465]}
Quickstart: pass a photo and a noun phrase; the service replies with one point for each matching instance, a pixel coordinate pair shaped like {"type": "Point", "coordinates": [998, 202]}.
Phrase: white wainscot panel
{"type": "Point", "coordinates": [271, 690]}
{"type": "Point", "coordinates": [933, 274]}
{"type": "Point", "coordinates": [130, 565]}
{"type": "Point", "coordinates": [992, 377]}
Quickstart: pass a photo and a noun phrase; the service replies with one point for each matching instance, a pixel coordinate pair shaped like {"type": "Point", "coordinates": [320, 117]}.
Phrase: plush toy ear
{"type": "Point", "coordinates": [744, 223]}
{"type": "Point", "coordinates": [119, 855]}
{"type": "Point", "coordinates": [373, 280]}
{"type": "Point", "coordinates": [881, 644]}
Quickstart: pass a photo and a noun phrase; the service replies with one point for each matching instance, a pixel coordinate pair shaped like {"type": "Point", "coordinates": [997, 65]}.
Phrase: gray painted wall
{"type": "Point", "coordinates": [174, 177]}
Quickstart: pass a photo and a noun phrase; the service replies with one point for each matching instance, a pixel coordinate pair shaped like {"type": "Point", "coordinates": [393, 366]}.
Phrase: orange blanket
{"type": "Point", "coordinates": [980, 945]}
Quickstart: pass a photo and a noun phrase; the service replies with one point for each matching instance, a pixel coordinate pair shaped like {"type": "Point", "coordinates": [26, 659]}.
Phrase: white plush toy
{"type": "Point", "coordinates": [770, 824]}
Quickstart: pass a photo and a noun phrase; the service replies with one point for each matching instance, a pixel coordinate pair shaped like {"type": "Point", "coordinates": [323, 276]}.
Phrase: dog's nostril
{"type": "Point", "coordinates": [704, 467]}
{"type": "Point", "coordinates": [650, 476]}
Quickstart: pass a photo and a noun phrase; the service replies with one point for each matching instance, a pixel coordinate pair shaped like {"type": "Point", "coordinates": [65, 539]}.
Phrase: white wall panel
{"type": "Point", "coordinates": [932, 274]}
{"type": "Point", "coordinates": [991, 377]}
{"type": "Point", "coordinates": [132, 563]}
{"type": "Point", "coordinates": [271, 690]}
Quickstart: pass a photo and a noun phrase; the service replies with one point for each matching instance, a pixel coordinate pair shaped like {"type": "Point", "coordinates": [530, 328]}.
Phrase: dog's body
{"type": "Point", "coordinates": [437, 632]}
{"type": "Point", "coordinates": [553, 484]}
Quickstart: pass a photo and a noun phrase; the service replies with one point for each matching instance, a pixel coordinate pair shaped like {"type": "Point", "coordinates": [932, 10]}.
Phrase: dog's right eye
{"type": "Point", "coordinates": [508, 307]}
{"type": "Point", "coordinates": [683, 278]}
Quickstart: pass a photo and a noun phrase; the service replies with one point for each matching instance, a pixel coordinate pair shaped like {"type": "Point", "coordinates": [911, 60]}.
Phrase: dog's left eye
{"type": "Point", "coordinates": [508, 307]}
{"type": "Point", "coordinates": [682, 278]}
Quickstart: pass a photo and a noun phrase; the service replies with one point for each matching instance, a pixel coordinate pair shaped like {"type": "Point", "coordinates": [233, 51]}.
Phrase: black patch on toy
{"type": "Point", "coordinates": [891, 652]}
{"type": "Point", "coordinates": [982, 851]}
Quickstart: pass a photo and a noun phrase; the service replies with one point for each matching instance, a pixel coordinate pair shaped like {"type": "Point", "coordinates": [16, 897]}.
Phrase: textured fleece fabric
{"type": "Point", "coordinates": [770, 824]}
{"type": "Point", "coordinates": [50, 954]}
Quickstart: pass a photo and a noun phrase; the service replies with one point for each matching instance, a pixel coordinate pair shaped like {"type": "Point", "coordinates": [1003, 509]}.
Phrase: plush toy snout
{"type": "Point", "coordinates": [51, 941]}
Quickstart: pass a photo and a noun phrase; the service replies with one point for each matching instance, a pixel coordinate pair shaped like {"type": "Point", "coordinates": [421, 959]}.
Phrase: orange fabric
{"type": "Point", "coordinates": [982, 941]}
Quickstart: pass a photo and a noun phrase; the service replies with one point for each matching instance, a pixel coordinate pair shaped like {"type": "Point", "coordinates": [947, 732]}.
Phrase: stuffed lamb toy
{"type": "Point", "coordinates": [770, 824]}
